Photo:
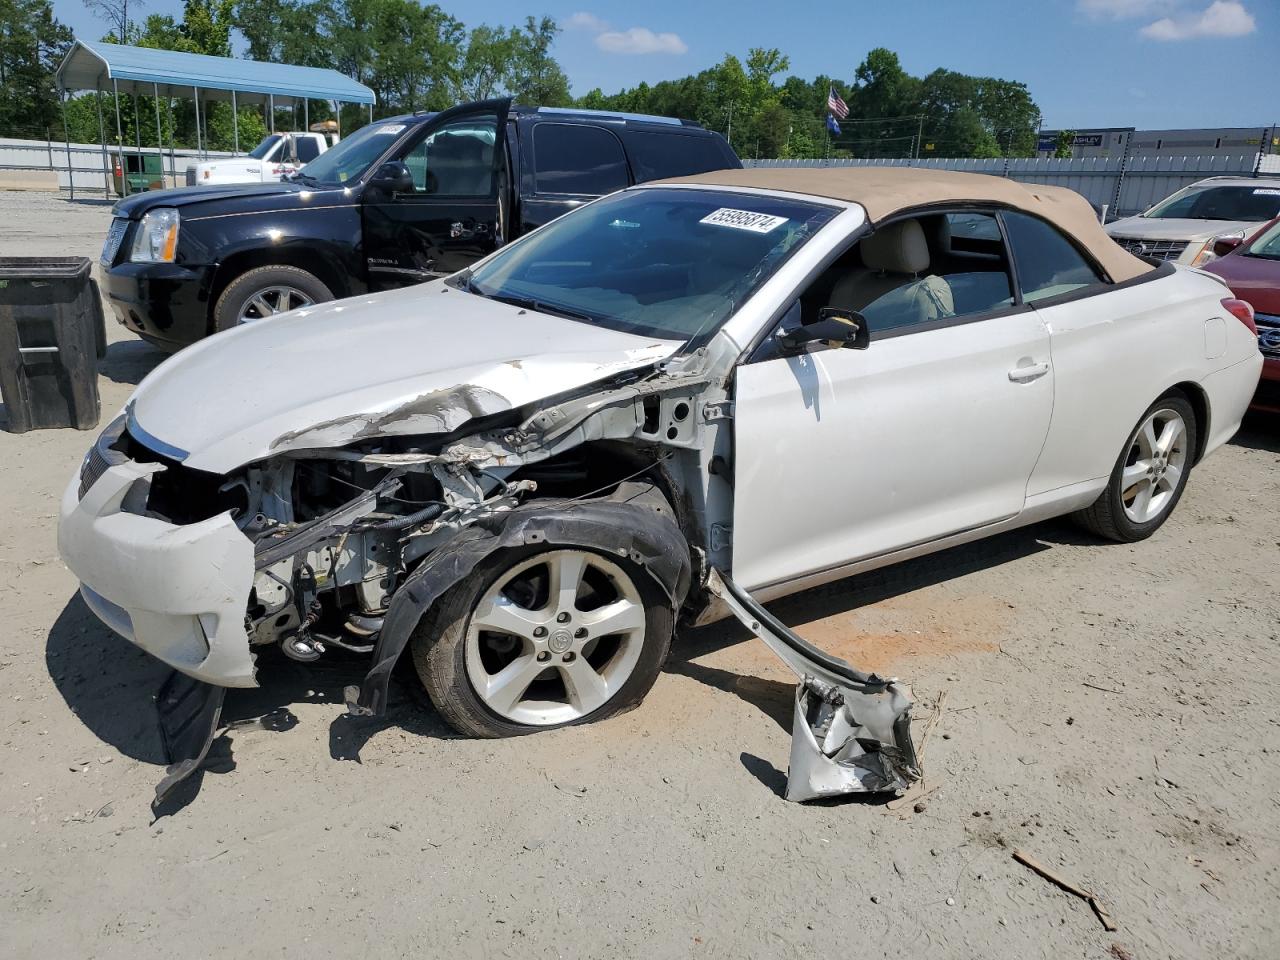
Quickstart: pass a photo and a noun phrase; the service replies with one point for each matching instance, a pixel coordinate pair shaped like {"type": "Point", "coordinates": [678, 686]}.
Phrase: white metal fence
{"type": "Point", "coordinates": [87, 165]}
{"type": "Point", "coordinates": [1126, 185]}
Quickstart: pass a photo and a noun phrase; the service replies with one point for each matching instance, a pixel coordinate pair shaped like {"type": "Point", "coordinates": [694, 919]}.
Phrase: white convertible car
{"type": "Point", "coordinates": [675, 402]}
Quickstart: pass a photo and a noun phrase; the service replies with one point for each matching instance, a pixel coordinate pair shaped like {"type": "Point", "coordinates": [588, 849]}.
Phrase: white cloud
{"type": "Point", "coordinates": [1222, 18]}
{"type": "Point", "coordinates": [635, 40]}
{"type": "Point", "coordinates": [640, 40]}
{"type": "Point", "coordinates": [586, 21]}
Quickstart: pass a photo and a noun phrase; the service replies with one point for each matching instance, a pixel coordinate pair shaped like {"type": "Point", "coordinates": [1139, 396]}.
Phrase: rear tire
{"type": "Point", "coordinates": [1149, 476]}
{"type": "Point", "coordinates": [277, 287]}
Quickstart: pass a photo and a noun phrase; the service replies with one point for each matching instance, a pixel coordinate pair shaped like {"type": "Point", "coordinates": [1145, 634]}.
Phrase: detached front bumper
{"type": "Point", "coordinates": [178, 592]}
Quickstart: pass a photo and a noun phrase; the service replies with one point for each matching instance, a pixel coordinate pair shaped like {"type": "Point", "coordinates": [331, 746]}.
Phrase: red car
{"type": "Point", "coordinates": [1252, 269]}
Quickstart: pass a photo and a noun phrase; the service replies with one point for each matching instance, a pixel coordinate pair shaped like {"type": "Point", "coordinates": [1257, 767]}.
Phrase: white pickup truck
{"type": "Point", "coordinates": [276, 155]}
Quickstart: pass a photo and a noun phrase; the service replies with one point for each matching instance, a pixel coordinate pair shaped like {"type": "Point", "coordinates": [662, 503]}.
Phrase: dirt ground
{"type": "Point", "coordinates": [1111, 710]}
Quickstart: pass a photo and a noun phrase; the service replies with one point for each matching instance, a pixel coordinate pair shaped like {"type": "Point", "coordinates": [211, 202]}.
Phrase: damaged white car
{"type": "Point", "coordinates": [666, 406]}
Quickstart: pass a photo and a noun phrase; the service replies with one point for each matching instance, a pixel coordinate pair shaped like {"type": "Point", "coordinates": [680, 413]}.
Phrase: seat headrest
{"type": "Point", "coordinates": [898, 248]}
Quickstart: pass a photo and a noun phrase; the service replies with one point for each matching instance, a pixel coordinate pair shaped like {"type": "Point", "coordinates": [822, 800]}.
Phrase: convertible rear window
{"type": "Point", "coordinates": [668, 263]}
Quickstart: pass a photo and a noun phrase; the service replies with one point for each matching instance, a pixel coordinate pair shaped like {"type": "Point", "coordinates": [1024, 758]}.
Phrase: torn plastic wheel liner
{"type": "Point", "coordinates": [851, 730]}
{"type": "Point", "coordinates": [190, 713]}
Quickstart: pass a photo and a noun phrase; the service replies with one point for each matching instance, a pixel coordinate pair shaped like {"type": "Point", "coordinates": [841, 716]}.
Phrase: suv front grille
{"type": "Point", "coordinates": [111, 246]}
{"type": "Point", "coordinates": [1268, 334]}
{"type": "Point", "coordinates": [1156, 249]}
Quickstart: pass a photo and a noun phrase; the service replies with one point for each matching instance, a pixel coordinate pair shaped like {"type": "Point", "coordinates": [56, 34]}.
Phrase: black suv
{"type": "Point", "coordinates": [400, 201]}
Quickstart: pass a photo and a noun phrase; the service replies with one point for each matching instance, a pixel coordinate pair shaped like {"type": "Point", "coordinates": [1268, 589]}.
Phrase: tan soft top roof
{"type": "Point", "coordinates": [886, 191]}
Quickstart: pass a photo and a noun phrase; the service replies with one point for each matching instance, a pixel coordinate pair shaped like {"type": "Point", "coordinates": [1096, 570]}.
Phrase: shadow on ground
{"type": "Point", "coordinates": [128, 361]}
{"type": "Point", "coordinates": [775, 699]}
{"type": "Point", "coordinates": [111, 685]}
{"type": "Point", "coordinates": [1260, 431]}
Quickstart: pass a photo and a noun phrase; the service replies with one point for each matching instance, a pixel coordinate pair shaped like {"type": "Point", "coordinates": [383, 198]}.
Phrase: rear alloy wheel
{"type": "Point", "coordinates": [545, 640]}
{"type": "Point", "coordinates": [1149, 477]}
{"type": "Point", "coordinates": [265, 292]}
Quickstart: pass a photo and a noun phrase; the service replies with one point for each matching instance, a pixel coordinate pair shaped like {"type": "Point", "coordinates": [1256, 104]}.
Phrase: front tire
{"type": "Point", "coordinates": [1150, 475]}
{"type": "Point", "coordinates": [539, 639]}
{"type": "Point", "coordinates": [264, 292]}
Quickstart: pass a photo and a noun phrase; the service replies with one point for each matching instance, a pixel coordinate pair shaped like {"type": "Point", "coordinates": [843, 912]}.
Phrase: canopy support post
{"type": "Point", "coordinates": [235, 122]}
{"type": "Point", "coordinates": [66, 139]}
{"type": "Point", "coordinates": [371, 113]}
{"type": "Point", "coordinates": [306, 114]}
{"type": "Point", "coordinates": [155, 89]}
{"type": "Point", "coordinates": [196, 91]}
{"type": "Point", "coordinates": [271, 99]}
{"type": "Point", "coordinates": [173, 133]}
{"type": "Point", "coordinates": [338, 113]}
{"type": "Point", "coordinates": [102, 139]}
{"type": "Point", "coordinates": [124, 173]}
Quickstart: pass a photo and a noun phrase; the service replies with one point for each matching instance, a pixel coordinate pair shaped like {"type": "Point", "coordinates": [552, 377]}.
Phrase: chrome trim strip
{"type": "Point", "coordinates": [154, 444]}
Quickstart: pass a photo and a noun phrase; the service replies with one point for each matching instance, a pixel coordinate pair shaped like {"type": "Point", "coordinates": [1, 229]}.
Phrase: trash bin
{"type": "Point", "coordinates": [52, 331]}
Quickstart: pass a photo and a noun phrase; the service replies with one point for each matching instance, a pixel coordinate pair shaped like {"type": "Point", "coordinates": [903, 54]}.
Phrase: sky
{"type": "Point", "coordinates": [1149, 64]}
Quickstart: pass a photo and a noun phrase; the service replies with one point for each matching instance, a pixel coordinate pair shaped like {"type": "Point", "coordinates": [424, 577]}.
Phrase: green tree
{"type": "Point", "coordinates": [1063, 143]}
{"type": "Point", "coordinates": [535, 76]}
{"type": "Point", "coordinates": [32, 44]}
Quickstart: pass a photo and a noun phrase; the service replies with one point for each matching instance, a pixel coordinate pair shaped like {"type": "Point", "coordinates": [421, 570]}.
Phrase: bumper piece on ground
{"type": "Point", "coordinates": [851, 730]}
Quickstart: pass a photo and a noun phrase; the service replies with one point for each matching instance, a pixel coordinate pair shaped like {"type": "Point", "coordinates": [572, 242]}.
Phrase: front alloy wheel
{"type": "Point", "coordinates": [543, 640]}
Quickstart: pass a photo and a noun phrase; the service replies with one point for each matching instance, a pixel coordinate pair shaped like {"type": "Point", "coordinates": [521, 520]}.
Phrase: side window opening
{"type": "Point", "coordinates": [1049, 265]}
{"type": "Point", "coordinates": [308, 150]}
{"type": "Point", "coordinates": [577, 159]}
{"type": "Point", "coordinates": [917, 271]}
{"type": "Point", "coordinates": [455, 160]}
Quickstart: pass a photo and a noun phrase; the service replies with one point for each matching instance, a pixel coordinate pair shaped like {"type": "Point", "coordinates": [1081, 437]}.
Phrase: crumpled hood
{"type": "Point", "coordinates": [1159, 228]}
{"type": "Point", "coordinates": [420, 360]}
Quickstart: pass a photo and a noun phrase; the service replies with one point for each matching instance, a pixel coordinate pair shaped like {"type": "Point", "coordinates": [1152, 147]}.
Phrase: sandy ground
{"type": "Point", "coordinates": [1110, 709]}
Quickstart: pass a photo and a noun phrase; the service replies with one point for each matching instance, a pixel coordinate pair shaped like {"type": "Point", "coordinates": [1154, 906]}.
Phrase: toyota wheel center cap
{"type": "Point", "coordinates": [560, 641]}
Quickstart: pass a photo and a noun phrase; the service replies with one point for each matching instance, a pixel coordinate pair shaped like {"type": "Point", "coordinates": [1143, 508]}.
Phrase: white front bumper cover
{"type": "Point", "coordinates": [178, 592]}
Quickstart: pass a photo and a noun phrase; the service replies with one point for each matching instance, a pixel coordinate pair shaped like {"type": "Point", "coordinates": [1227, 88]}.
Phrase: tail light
{"type": "Point", "coordinates": [1242, 311]}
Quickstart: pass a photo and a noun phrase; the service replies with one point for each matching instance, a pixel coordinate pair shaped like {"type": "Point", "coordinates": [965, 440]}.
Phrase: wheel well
{"type": "Point", "coordinates": [596, 469]}
{"type": "Point", "coordinates": [300, 257]}
{"type": "Point", "coordinates": [1200, 405]}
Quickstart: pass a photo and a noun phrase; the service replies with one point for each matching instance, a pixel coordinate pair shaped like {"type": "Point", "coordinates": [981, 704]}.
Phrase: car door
{"type": "Point", "coordinates": [846, 455]}
{"type": "Point", "coordinates": [1114, 348]}
{"type": "Point", "coordinates": [451, 217]}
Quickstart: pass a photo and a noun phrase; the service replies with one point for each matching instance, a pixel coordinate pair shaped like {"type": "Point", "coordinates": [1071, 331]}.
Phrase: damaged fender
{"type": "Point", "coordinates": [851, 730]}
{"type": "Point", "coordinates": [633, 528]}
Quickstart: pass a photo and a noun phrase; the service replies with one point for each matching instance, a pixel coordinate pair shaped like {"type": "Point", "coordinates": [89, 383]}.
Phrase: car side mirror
{"type": "Point", "coordinates": [1224, 245]}
{"type": "Point", "coordinates": [834, 329]}
{"type": "Point", "coordinates": [393, 177]}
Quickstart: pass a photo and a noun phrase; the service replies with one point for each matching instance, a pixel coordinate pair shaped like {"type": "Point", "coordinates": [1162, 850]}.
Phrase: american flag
{"type": "Point", "coordinates": [837, 106]}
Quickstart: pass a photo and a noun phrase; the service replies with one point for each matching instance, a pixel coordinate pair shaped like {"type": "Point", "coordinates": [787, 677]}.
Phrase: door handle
{"type": "Point", "coordinates": [1025, 374]}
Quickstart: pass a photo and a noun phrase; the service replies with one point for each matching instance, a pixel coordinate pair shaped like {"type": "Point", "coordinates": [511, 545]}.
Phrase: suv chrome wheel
{"type": "Point", "coordinates": [1154, 466]}
{"type": "Point", "coordinates": [555, 637]}
{"type": "Point", "coordinates": [269, 301]}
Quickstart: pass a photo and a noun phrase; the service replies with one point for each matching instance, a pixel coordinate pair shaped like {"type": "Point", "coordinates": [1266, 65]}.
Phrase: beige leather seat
{"type": "Point", "coordinates": [889, 289]}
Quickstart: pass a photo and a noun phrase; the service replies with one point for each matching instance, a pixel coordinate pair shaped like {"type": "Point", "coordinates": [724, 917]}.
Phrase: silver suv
{"type": "Point", "coordinates": [1184, 226]}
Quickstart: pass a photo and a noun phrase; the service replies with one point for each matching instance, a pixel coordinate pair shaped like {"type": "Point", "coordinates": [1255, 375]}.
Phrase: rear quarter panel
{"type": "Point", "coordinates": [1114, 353]}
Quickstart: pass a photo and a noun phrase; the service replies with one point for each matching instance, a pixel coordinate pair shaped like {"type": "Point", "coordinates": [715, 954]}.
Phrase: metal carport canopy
{"type": "Point", "coordinates": [174, 74]}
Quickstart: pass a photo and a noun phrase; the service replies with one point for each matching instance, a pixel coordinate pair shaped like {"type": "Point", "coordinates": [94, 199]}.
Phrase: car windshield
{"type": "Point", "coordinates": [667, 263]}
{"type": "Point", "coordinates": [1267, 245]}
{"type": "Point", "coordinates": [352, 156]}
{"type": "Point", "coordinates": [1249, 203]}
{"type": "Point", "coordinates": [265, 147]}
